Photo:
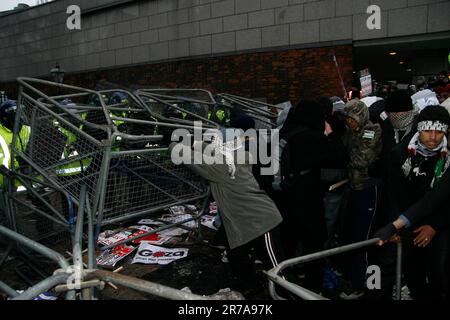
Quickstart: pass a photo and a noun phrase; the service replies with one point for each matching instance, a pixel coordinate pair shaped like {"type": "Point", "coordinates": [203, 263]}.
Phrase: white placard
{"type": "Point", "coordinates": [150, 254]}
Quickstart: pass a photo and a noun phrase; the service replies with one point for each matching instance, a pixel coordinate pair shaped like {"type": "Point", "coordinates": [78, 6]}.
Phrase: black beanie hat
{"type": "Point", "coordinates": [398, 101]}
{"type": "Point", "coordinates": [326, 105]}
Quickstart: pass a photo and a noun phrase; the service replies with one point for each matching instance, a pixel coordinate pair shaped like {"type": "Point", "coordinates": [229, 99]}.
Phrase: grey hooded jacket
{"type": "Point", "coordinates": [246, 210]}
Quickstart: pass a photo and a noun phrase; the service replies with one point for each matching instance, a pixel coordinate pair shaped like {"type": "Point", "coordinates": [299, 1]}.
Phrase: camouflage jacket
{"type": "Point", "coordinates": [364, 144]}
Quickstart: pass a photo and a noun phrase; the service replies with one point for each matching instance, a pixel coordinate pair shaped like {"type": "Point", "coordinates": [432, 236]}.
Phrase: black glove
{"type": "Point", "coordinates": [386, 232]}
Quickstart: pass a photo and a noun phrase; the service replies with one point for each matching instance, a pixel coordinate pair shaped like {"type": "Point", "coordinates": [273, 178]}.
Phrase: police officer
{"type": "Point", "coordinates": [7, 117]}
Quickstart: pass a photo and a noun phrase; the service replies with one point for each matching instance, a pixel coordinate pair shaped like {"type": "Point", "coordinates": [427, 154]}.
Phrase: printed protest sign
{"type": "Point", "coordinates": [110, 257]}
{"type": "Point", "coordinates": [365, 79]}
{"type": "Point", "coordinates": [150, 254]}
{"type": "Point", "coordinates": [109, 237]}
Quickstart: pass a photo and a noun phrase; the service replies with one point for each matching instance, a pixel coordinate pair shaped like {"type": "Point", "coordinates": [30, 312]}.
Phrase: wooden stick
{"type": "Point", "coordinates": [112, 285]}
{"type": "Point", "coordinates": [118, 269]}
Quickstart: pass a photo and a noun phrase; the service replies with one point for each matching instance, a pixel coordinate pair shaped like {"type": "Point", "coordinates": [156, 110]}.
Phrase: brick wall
{"type": "Point", "coordinates": [277, 76]}
{"type": "Point", "coordinates": [159, 31]}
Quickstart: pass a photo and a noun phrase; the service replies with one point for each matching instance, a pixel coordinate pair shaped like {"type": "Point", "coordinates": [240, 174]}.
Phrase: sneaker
{"type": "Point", "coordinates": [355, 295]}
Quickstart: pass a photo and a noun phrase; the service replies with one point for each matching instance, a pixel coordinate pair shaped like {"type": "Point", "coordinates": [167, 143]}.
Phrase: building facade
{"type": "Point", "coordinates": [277, 49]}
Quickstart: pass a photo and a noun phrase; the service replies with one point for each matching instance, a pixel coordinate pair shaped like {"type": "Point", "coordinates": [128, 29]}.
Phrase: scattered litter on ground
{"type": "Point", "coordinates": [110, 257]}
{"type": "Point", "coordinates": [110, 237]}
{"type": "Point", "coordinates": [222, 294]}
{"type": "Point", "coordinates": [208, 221]}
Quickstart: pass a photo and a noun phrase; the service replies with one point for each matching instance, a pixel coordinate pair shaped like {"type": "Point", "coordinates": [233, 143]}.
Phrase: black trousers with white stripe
{"type": "Point", "coordinates": [268, 249]}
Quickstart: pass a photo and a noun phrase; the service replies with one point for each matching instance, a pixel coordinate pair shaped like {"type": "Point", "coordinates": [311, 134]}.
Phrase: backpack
{"type": "Point", "coordinates": [286, 177]}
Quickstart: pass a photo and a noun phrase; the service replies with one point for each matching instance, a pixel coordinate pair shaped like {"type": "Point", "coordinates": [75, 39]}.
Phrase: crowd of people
{"type": "Point", "coordinates": [359, 168]}
{"type": "Point", "coordinates": [363, 168]}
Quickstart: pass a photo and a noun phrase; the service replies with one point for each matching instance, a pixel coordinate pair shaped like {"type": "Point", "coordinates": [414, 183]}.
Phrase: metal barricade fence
{"type": "Point", "coordinates": [202, 105]}
{"type": "Point", "coordinates": [264, 114]}
{"type": "Point", "coordinates": [79, 282]}
{"type": "Point", "coordinates": [86, 142]}
{"type": "Point", "coordinates": [275, 276]}
{"type": "Point", "coordinates": [72, 139]}
{"type": "Point", "coordinates": [184, 106]}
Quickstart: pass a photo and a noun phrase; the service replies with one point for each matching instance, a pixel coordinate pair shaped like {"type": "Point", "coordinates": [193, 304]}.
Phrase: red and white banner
{"type": "Point", "coordinates": [110, 257]}
{"type": "Point", "coordinates": [109, 237]}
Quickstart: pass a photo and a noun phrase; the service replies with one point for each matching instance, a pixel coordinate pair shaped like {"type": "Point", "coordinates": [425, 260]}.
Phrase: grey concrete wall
{"type": "Point", "coordinates": [32, 41]}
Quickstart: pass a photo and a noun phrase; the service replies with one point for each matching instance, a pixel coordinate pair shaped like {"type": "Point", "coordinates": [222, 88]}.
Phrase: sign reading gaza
{"type": "Point", "coordinates": [150, 254]}
{"type": "Point", "coordinates": [74, 20]}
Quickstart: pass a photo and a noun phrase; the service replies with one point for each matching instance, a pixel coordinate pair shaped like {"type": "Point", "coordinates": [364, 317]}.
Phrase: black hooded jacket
{"type": "Point", "coordinates": [311, 150]}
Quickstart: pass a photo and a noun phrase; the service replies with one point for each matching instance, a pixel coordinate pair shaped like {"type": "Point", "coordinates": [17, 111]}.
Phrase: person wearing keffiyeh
{"type": "Point", "coordinates": [418, 166]}
{"type": "Point", "coordinates": [249, 216]}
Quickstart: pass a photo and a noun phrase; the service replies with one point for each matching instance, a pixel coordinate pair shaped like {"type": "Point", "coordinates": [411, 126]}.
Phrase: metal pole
{"type": "Point", "coordinates": [249, 100]}
{"type": "Point", "coordinates": [273, 273]}
{"type": "Point", "coordinates": [84, 285]}
{"type": "Point", "coordinates": [8, 290]}
{"type": "Point", "coordinates": [208, 93]}
{"type": "Point", "coordinates": [42, 286]}
{"type": "Point", "coordinates": [164, 124]}
{"type": "Point", "coordinates": [53, 255]}
{"type": "Point", "coordinates": [91, 243]}
{"type": "Point", "coordinates": [144, 286]}
{"type": "Point", "coordinates": [203, 119]}
{"type": "Point", "coordinates": [77, 248]}
{"type": "Point", "coordinates": [325, 253]}
{"type": "Point", "coordinates": [92, 263]}
{"type": "Point", "coordinates": [300, 291]}
{"type": "Point", "coordinates": [99, 202]}
{"type": "Point", "coordinates": [6, 254]}
{"type": "Point", "coordinates": [251, 107]}
{"type": "Point", "coordinates": [398, 292]}
{"type": "Point", "coordinates": [79, 226]}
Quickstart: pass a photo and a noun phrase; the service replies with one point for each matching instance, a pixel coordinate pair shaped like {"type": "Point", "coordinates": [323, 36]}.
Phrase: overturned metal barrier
{"type": "Point", "coordinates": [72, 137]}
{"type": "Point", "coordinates": [35, 246]}
{"type": "Point", "coordinates": [264, 114]}
{"type": "Point", "coordinates": [79, 282]}
{"type": "Point", "coordinates": [275, 277]}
